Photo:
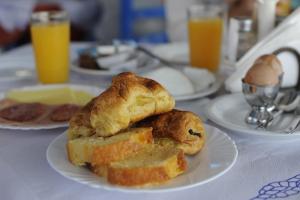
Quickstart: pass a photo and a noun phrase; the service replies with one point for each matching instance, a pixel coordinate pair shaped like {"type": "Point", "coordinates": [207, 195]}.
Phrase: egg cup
{"type": "Point", "coordinates": [261, 99]}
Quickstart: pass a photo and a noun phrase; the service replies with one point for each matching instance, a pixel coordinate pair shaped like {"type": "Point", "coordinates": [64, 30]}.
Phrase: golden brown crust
{"type": "Point", "coordinates": [79, 124]}
{"type": "Point", "coordinates": [130, 98]}
{"type": "Point", "coordinates": [147, 175]}
{"type": "Point", "coordinates": [137, 176]}
{"type": "Point", "coordinates": [120, 150]}
{"type": "Point", "coordinates": [101, 151]}
{"type": "Point", "coordinates": [100, 170]}
{"type": "Point", "coordinates": [183, 126]}
{"type": "Point", "coordinates": [182, 164]}
{"type": "Point", "coordinates": [102, 157]}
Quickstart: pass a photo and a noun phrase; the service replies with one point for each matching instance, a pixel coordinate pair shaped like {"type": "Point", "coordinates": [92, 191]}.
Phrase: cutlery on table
{"type": "Point", "coordinates": [295, 122]}
{"type": "Point", "coordinates": [287, 102]}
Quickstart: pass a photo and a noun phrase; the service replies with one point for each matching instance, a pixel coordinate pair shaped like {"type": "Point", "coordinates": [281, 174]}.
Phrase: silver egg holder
{"type": "Point", "coordinates": [261, 99]}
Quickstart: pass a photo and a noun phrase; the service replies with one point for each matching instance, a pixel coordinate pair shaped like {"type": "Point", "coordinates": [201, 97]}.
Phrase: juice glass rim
{"type": "Point", "coordinates": [46, 17]}
{"type": "Point", "coordinates": [206, 10]}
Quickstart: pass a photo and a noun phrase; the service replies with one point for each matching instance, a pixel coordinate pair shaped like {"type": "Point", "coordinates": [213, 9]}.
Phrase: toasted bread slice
{"type": "Point", "coordinates": [105, 150]}
{"type": "Point", "coordinates": [153, 165]}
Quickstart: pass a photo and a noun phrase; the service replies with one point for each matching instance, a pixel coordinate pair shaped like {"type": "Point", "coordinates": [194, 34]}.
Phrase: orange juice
{"type": "Point", "coordinates": [51, 47]}
{"type": "Point", "coordinates": [205, 38]}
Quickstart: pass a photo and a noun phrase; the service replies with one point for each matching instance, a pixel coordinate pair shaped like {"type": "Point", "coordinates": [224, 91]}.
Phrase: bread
{"type": "Point", "coordinates": [153, 165]}
{"type": "Point", "coordinates": [129, 99]}
{"type": "Point", "coordinates": [105, 150]}
{"type": "Point", "coordinates": [79, 124]}
{"type": "Point", "coordinates": [108, 136]}
{"type": "Point", "coordinates": [184, 127]}
{"type": "Point", "coordinates": [101, 169]}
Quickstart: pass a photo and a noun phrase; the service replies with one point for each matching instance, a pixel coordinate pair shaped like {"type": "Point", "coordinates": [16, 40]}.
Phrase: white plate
{"type": "Point", "coordinates": [92, 90]}
{"type": "Point", "coordinates": [216, 158]}
{"type": "Point", "coordinates": [75, 67]}
{"type": "Point", "coordinates": [229, 111]}
{"type": "Point", "coordinates": [149, 64]}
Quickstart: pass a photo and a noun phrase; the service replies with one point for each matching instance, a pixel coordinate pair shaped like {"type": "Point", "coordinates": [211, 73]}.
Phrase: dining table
{"type": "Point", "coordinates": [264, 168]}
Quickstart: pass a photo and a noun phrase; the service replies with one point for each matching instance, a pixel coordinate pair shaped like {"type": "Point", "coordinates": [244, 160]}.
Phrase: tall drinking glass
{"type": "Point", "coordinates": [50, 34]}
{"type": "Point", "coordinates": [205, 26]}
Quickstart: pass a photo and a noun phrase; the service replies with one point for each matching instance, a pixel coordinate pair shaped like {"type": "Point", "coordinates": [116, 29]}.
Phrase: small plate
{"type": "Point", "coordinates": [215, 159]}
{"type": "Point", "coordinates": [92, 90]}
{"type": "Point", "coordinates": [229, 111]}
{"type": "Point", "coordinates": [138, 64]}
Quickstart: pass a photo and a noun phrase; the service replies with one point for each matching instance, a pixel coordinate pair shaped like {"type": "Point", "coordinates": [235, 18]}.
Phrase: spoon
{"type": "Point", "coordinates": [160, 59]}
{"type": "Point", "coordinates": [295, 122]}
{"type": "Point", "coordinates": [287, 102]}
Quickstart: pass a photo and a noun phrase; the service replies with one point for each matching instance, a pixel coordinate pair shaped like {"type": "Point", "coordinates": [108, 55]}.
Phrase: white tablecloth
{"type": "Point", "coordinates": [25, 173]}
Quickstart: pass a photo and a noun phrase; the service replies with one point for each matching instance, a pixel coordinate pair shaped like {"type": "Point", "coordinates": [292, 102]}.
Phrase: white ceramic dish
{"type": "Point", "coordinates": [138, 64]}
{"type": "Point", "coordinates": [215, 159]}
{"type": "Point", "coordinates": [229, 111]}
{"type": "Point", "coordinates": [92, 90]}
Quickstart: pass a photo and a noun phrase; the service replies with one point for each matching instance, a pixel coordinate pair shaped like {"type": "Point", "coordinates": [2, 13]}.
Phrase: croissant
{"type": "Point", "coordinates": [129, 99]}
{"type": "Point", "coordinates": [79, 124]}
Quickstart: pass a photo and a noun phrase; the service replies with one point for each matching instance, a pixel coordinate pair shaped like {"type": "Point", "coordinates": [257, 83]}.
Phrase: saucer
{"type": "Point", "coordinates": [229, 111]}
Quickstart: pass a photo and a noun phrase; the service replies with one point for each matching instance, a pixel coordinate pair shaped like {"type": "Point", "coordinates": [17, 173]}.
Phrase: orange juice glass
{"type": "Point", "coordinates": [50, 34]}
{"type": "Point", "coordinates": [205, 26]}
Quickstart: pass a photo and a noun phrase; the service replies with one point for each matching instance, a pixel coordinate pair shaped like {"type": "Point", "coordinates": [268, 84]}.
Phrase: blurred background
{"type": "Point", "coordinates": [155, 21]}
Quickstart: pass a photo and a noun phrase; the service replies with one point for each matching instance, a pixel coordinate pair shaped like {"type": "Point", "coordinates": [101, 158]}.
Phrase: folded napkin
{"type": "Point", "coordinates": [285, 35]}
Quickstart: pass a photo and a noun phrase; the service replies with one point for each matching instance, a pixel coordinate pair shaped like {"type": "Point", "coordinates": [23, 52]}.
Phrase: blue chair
{"type": "Point", "coordinates": [129, 16]}
{"type": "Point", "coordinates": [295, 4]}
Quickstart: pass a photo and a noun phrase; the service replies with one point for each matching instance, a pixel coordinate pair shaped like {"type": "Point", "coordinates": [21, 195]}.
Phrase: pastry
{"type": "Point", "coordinates": [184, 127]}
{"type": "Point", "coordinates": [129, 99]}
{"type": "Point", "coordinates": [79, 124]}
